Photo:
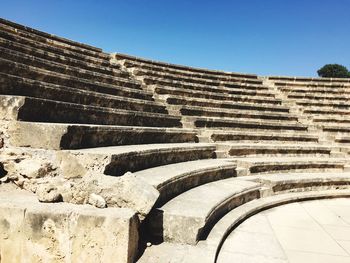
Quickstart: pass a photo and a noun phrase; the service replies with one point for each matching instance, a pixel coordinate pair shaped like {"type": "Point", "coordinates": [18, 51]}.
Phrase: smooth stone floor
{"type": "Point", "coordinates": [306, 232]}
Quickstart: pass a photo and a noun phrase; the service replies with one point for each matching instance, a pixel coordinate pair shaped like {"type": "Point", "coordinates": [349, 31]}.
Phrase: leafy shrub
{"type": "Point", "coordinates": [333, 71]}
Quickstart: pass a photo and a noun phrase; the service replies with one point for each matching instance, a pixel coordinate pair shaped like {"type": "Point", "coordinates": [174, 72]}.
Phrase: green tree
{"type": "Point", "coordinates": [333, 71]}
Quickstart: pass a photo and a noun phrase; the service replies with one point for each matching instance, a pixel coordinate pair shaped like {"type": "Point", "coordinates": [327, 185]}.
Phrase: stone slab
{"type": "Point", "coordinates": [121, 159]}
{"type": "Point", "coordinates": [173, 179]}
{"type": "Point", "coordinates": [187, 217]}
{"type": "Point", "coordinates": [61, 232]}
{"type": "Point", "coordinates": [56, 136]}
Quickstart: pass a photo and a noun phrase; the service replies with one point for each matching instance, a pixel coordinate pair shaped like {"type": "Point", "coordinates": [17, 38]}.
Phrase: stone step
{"type": "Point", "coordinates": [314, 89]}
{"type": "Point", "coordinates": [187, 73]}
{"type": "Point", "coordinates": [249, 116]}
{"type": "Point", "coordinates": [261, 165]}
{"type": "Point", "coordinates": [188, 217]}
{"type": "Point", "coordinates": [325, 111]}
{"type": "Point", "coordinates": [323, 103]}
{"type": "Point", "coordinates": [256, 136]}
{"type": "Point", "coordinates": [221, 154]}
{"type": "Point", "coordinates": [173, 179]}
{"type": "Point", "coordinates": [28, 34]}
{"type": "Point", "coordinates": [339, 154]}
{"type": "Point", "coordinates": [55, 49]}
{"type": "Point", "coordinates": [192, 79]}
{"type": "Point", "coordinates": [57, 136]}
{"type": "Point", "coordinates": [321, 92]}
{"type": "Point", "coordinates": [41, 110]}
{"type": "Point", "coordinates": [25, 71]}
{"type": "Point", "coordinates": [342, 139]}
{"type": "Point", "coordinates": [240, 149]}
{"type": "Point", "coordinates": [46, 63]}
{"type": "Point", "coordinates": [48, 37]}
{"type": "Point", "coordinates": [330, 115]}
{"type": "Point", "coordinates": [301, 182]}
{"type": "Point", "coordinates": [39, 53]}
{"type": "Point", "coordinates": [331, 119]}
{"type": "Point", "coordinates": [204, 138]}
{"type": "Point", "coordinates": [309, 86]}
{"type": "Point", "coordinates": [231, 220]}
{"type": "Point", "coordinates": [209, 92]}
{"type": "Point", "coordinates": [226, 113]}
{"type": "Point", "coordinates": [181, 67]}
{"type": "Point", "coordinates": [221, 96]}
{"type": "Point", "coordinates": [178, 100]}
{"type": "Point", "coordinates": [15, 56]}
{"type": "Point", "coordinates": [313, 97]}
{"type": "Point", "coordinates": [242, 118]}
{"type": "Point", "coordinates": [12, 85]}
{"type": "Point", "coordinates": [234, 123]}
{"type": "Point", "coordinates": [149, 80]}
{"type": "Point", "coordinates": [211, 249]}
{"type": "Point", "coordinates": [335, 128]}
{"type": "Point", "coordinates": [308, 80]}
{"type": "Point", "coordinates": [117, 160]}
{"type": "Point", "coordinates": [324, 108]}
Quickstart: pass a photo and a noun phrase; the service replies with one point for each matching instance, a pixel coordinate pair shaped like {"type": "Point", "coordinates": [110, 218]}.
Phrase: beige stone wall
{"type": "Point", "coordinates": [34, 232]}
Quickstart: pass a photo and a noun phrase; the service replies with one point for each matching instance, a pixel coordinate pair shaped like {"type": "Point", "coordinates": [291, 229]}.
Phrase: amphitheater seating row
{"type": "Point", "coordinates": [51, 83]}
{"type": "Point", "coordinates": [210, 142]}
{"type": "Point", "coordinates": [324, 103]}
{"type": "Point", "coordinates": [230, 102]}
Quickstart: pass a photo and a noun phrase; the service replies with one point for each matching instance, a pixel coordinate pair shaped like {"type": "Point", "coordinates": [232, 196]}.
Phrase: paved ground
{"type": "Point", "coordinates": [313, 231]}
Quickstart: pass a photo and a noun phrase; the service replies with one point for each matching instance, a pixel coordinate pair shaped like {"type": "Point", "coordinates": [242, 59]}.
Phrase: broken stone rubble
{"type": "Point", "coordinates": [52, 179]}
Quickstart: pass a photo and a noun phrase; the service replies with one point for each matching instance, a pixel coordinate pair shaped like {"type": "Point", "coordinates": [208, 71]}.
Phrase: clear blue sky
{"type": "Point", "coordinates": [266, 37]}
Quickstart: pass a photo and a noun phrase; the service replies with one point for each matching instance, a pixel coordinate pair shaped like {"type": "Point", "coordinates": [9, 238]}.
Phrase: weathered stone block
{"type": "Point", "coordinates": [32, 232]}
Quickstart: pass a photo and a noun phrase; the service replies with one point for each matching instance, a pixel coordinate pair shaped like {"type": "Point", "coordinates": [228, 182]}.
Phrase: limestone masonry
{"type": "Point", "coordinates": [114, 158]}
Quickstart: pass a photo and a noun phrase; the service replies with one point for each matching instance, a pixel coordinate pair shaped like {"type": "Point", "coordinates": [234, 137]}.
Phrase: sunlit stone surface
{"type": "Point", "coordinates": [312, 231]}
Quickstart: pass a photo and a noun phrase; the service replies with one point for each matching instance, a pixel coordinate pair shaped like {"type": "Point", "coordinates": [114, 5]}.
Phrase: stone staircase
{"type": "Point", "coordinates": [206, 149]}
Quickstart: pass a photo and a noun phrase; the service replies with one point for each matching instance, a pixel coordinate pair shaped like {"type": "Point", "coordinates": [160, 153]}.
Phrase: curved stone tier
{"type": "Point", "coordinates": [175, 157]}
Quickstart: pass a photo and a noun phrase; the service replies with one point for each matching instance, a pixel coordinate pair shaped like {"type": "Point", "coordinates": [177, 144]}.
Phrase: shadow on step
{"type": "Point", "coordinates": [147, 236]}
{"type": "Point", "coordinates": [3, 172]}
{"type": "Point", "coordinates": [240, 200]}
